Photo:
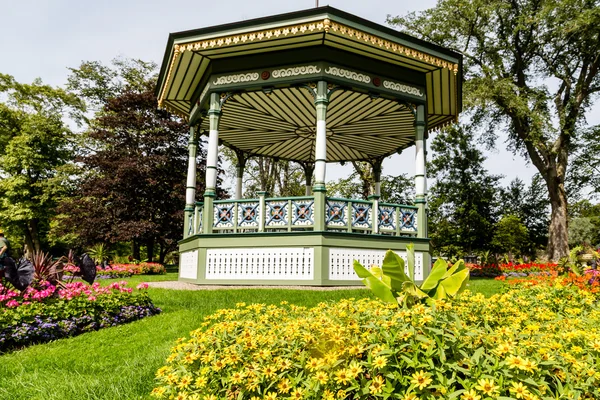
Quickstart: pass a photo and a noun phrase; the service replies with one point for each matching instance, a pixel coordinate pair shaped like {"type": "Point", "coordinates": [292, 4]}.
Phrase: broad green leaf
{"type": "Point", "coordinates": [379, 288]}
{"type": "Point", "coordinates": [361, 271]}
{"type": "Point", "coordinates": [412, 289]}
{"type": "Point", "coordinates": [440, 293]}
{"type": "Point", "coordinates": [451, 270]}
{"type": "Point", "coordinates": [377, 272]}
{"type": "Point", "coordinates": [454, 283]}
{"type": "Point", "coordinates": [437, 273]}
{"type": "Point", "coordinates": [393, 266]}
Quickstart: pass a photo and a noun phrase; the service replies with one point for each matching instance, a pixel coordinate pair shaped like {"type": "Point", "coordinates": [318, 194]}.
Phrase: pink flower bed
{"type": "Point", "coordinates": [122, 270]}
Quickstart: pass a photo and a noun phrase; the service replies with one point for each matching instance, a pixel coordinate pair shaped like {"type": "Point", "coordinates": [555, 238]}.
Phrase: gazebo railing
{"type": "Point", "coordinates": [287, 214]}
{"type": "Point", "coordinates": [370, 216]}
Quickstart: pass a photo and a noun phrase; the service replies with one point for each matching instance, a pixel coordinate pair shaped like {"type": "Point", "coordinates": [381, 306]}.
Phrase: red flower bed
{"type": "Point", "coordinates": [512, 269]}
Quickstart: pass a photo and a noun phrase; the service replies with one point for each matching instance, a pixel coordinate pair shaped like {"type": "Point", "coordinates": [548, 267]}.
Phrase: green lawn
{"type": "Point", "coordinates": [120, 362]}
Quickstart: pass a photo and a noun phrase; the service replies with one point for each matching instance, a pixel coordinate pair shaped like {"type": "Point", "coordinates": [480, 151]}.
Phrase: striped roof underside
{"type": "Point", "coordinates": [190, 61]}
{"type": "Point", "coordinates": [282, 124]}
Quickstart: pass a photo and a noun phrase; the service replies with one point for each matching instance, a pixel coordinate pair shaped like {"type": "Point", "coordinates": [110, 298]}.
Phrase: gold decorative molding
{"type": "Point", "coordinates": [396, 48]}
{"type": "Point", "coordinates": [325, 25]}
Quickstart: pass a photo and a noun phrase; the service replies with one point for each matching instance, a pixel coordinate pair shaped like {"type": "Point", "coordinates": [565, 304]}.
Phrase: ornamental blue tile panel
{"type": "Point", "coordinates": [277, 213]}
{"type": "Point", "coordinates": [387, 218]}
{"type": "Point", "coordinates": [408, 219]}
{"type": "Point", "coordinates": [361, 215]}
{"type": "Point", "coordinates": [336, 213]}
{"type": "Point", "coordinates": [223, 215]}
{"type": "Point", "coordinates": [303, 212]}
{"type": "Point", "coordinates": [248, 214]}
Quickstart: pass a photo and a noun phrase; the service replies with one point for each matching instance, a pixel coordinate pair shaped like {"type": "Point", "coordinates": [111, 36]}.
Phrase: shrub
{"type": "Point", "coordinates": [124, 270]}
{"type": "Point", "coordinates": [48, 313]}
{"type": "Point", "coordinates": [538, 342]}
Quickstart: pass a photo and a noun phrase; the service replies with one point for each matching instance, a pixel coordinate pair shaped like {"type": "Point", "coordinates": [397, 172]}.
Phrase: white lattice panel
{"type": "Point", "coordinates": [284, 263]}
{"type": "Point", "coordinates": [341, 261]}
{"type": "Point", "coordinates": [188, 264]}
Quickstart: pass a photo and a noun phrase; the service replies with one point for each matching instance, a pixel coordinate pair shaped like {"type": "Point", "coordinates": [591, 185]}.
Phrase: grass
{"type": "Point", "coordinates": [120, 362]}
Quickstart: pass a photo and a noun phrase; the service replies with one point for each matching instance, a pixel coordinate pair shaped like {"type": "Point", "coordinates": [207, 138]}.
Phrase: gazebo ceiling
{"type": "Point", "coordinates": [193, 57]}
{"type": "Point", "coordinates": [282, 124]}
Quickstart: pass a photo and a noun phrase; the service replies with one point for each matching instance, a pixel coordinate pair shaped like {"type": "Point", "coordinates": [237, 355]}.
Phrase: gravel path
{"type": "Point", "coordinates": [176, 285]}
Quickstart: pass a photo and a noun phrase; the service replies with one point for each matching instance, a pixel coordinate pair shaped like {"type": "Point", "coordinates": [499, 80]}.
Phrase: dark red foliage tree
{"type": "Point", "coordinates": [133, 186]}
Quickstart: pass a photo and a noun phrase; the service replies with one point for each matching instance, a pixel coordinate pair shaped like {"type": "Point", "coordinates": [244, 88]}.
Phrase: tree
{"type": "Point", "coordinates": [35, 147]}
{"type": "Point", "coordinates": [463, 205]}
{"type": "Point", "coordinates": [584, 223]}
{"type": "Point", "coordinates": [134, 167]}
{"type": "Point", "coordinates": [585, 171]}
{"type": "Point", "coordinates": [581, 231]}
{"type": "Point", "coordinates": [277, 177]}
{"type": "Point", "coordinates": [511, 236]}
{"type": "Point", "coordinates": [530, 64]}
{"type": "Point", "coordinates": [531, 205]}
{"type": "Point", "coordinates": [394, 189]}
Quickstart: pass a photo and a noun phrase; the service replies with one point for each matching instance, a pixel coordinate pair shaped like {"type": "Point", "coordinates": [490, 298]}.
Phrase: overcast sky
{"type": "Point", "coordinates": [43, 38]}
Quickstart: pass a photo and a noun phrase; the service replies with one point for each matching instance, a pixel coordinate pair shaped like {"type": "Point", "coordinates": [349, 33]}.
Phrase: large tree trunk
{"type": "Point", "coordinates": [29, 247]}
{"type": "Point", "coordinates": [558, 235]}
{"type": "Point", "coordinates": [32, 228]}
{"type": "Point", "coordinates": [135, 250]}
{"type": "Point", "coordinates": [150, 250]}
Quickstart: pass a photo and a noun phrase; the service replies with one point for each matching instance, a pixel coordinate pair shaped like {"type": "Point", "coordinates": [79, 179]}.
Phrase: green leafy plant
{"type": "Point", "coordinates": [99, 253]}
{"type": "Point", "coordinates": [391, 284]}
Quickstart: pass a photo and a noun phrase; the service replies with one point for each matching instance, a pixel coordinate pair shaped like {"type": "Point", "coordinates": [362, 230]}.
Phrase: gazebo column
{"type": "Point", "coordinates": [376, 193]}
{"type": "Point", "coordinates": [214, 115]}
{"type": "Point", "coordinates": [420, 174]}
{"type": "Point", "coordinates": [309, 169]}
{"type": "Point", "coordinates": [190, 191]}
{"type": "Point", "coordinates": [239, 171]}
{"type": "Point", "coordinates": [319, 189]}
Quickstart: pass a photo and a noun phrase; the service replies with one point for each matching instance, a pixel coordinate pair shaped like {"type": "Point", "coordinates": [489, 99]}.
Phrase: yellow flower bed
{"type": "Point", "coordinates": [530, 343]}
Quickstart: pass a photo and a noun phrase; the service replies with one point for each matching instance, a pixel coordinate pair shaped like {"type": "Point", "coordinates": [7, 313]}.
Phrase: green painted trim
{"type": "Point", "coordinates": [350, 200]}
{"type": "Point", "coordinates": [210, 167]}
{"type": "Point", "coordinates": [398, 205]}
{"type": "Point", "coordinates": [422, 220]}
{"type": "Point", "coordinates": [373, 197]}
{"type": "Point", "coordinates": [290, 198]}
{"type": "Point", "coordinates": [262, 193]}
{"type": "Point", "coordinates": [235, 201]}
{"type": "Point", "coordinates": [420, 201]}
{"type": "Point", "coordinates": [282, 237]}
{"type": "Point", "coordinates": [199, 203]}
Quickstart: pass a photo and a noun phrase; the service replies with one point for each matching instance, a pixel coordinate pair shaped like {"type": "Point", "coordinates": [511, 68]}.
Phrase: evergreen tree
{"type": "Point", "coordinates": [531, 205]}
{"type": "Point", "coordinates": [463, 202]}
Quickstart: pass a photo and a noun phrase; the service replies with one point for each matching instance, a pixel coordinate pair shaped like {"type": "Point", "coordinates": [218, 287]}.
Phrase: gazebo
{"type": "Point", "coordinates": [315, 86]}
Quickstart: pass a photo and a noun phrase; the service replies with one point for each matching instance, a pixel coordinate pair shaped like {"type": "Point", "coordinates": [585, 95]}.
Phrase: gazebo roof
{"type": "Point", "coordinates": [265, 66]}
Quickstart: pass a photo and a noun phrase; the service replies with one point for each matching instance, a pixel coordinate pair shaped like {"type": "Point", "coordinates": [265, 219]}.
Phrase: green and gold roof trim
{"type": "Point", "coordinates": [193, 64]}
